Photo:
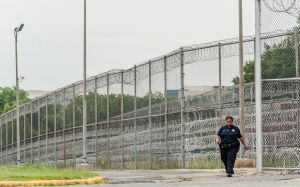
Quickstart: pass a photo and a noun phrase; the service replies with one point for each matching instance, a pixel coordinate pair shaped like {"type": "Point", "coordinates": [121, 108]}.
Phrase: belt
{"type": "Point", "coordinates": [229, 145]}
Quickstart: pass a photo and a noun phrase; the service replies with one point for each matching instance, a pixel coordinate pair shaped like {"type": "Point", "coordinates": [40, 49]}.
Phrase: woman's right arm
{"type": "Point", "coordinates": [218, 139]}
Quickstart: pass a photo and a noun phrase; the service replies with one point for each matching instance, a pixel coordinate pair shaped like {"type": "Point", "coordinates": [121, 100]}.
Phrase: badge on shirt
{"type": "Point", "coordinates": [233, 130]}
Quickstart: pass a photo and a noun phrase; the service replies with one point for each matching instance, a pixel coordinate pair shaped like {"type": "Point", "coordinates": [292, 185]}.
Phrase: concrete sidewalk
{"type": "Point", "coordinates": [193, 178]}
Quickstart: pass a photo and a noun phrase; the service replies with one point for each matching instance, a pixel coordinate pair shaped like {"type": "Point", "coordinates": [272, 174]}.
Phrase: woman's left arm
{"type": "Point", "coordinates": [242, 139]}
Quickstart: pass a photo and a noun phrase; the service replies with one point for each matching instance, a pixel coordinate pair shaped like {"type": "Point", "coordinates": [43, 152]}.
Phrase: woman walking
{"type": "Point", "coordinates": [228, 139]}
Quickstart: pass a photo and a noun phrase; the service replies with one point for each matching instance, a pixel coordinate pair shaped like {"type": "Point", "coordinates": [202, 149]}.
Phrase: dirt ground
{"type": "Point", "coordinates": [193, 178]}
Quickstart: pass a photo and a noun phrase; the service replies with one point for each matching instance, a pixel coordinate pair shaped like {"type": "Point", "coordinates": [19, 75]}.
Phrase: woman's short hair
{"type": "Point", "coordinates": [229, 117]}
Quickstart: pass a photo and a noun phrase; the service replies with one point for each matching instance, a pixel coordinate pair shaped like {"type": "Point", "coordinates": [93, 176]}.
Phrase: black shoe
{"type": "Point", "coordinates": [229, 175]}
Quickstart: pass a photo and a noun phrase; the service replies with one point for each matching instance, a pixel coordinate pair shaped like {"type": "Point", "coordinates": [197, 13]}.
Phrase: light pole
{"type": "Point", "coordinates": [16, 30]}
{"type": "Point", "coordinates": [84, 113]}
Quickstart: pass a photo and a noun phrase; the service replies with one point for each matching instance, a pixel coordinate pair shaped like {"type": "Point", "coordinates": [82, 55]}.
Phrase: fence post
{"type": "Point", "coordinates": [251, 94]}
{"type": "Point", "coordinates": [135, 119]}
{"type": "Point", "coordinates": [96, 123]}
{"type": "Point", "coordinates": [12, 138]}
{"type": "Point", "coordinates": [253, 85]}
{"type": "Point", "coordinates": [166, 112]}
{"type": "Point", "coordinates": [107, 122]}
{"type": "Point", "coordinates": [298, 118]}
{"type": "Point", "coordinates": [54, 135]}
{"type": "Point", "coordinates": [84, 124]}
{"type": "Point", "coordinates": [6, 139]}
{"type": "Point", "coordinates": [1, 138]}
{"type": "Point", "coordinates": [31, 131]}
{"type": "Point", "coordinates": [46, 128]}
{"type": "Point", "coordinates": [220, 89]}
{"type": "Point", "coordinates": [258, 86]}
{"type": "Point", "coordinates": [297, 76]}
{"type": "Point", "coordinates": [39, 130]}
{"type": "Point", "coordinates": [2, 124]}
{"type": "Point", "coordinates": [6, 136]}
{"type": "Point", "coordinates": [74, 126]}
{"type": "Point", "coordinates": [1, 120]}
{"type": "Point", "coordinates": [297, 54]}
{"type": "Point", "coordinates": [24, 136]}
{"type": "Point", "coordinates": [149, 118]}
{"type": "Point", "coordinates": [241, 73]}
{"type": "Point", "coordinates": [182, 108]}
{"type": "Point", "coordinates": [220, 83]}
{"type": "Point", "coordinates": [64, 125]}
{"type": "Point", "coordinates": [122, 119]}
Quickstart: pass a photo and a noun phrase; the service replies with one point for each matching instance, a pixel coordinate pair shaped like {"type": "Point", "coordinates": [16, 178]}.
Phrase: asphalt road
{"type": "Point", "coordinates": [193, 178]}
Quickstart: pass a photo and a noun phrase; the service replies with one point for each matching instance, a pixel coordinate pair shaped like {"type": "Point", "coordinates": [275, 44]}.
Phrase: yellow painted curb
{"type": "Point", "coordinates": [95, 180]}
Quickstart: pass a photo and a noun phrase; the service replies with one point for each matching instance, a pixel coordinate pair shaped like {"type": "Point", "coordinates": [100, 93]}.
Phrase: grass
{"type": "Point", "coordinates": [41, 172]}
{"type": "Point", "coordinates": [203, 163]}
{"type": "Point", "coordinates": [206, 164]}
{"type": "Point", "coordinates": [269, 161]}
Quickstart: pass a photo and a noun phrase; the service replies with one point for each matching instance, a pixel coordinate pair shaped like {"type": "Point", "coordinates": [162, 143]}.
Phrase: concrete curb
{"type": "Point", "coordinates": [95, 180]}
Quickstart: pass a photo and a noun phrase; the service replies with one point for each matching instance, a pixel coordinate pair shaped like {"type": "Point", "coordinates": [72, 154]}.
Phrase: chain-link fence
{"type": "Point", "coordinates": [280, 88]}
{"type": "Point", "coordinates": [165, 112]}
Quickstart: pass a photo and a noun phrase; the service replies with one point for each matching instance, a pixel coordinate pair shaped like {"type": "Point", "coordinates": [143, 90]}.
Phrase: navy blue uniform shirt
{"type": "Point", "coordinates": [229, 135]}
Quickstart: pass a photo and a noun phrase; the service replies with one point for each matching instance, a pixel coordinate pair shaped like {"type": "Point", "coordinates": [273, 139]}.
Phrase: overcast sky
{"type": "Point", "coordinates": [120, 33]}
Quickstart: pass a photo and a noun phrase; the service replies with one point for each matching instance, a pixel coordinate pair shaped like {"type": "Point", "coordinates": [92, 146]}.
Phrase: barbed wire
{"type": "Point", "coordinates": [291, 7]}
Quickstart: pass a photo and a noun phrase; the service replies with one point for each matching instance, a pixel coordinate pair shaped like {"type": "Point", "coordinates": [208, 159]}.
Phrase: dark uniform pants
{"type": "Point", "coordinates": [228, 156]}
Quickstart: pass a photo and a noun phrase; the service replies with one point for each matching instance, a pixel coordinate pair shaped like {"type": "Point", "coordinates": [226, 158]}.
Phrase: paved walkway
{"type": "Point", "coordinates": [193, 178]}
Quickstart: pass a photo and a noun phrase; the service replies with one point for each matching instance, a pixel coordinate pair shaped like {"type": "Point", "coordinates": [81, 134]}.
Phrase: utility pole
{"type": "Point", "coordinates": [16, 30]}
{"type": "Point", "coordinates": [84, 113]}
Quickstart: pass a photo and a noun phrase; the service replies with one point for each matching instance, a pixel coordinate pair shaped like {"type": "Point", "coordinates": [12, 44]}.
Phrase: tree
{"type": "Point", "coordinates": [277, 61]}
{"type": "Point", "coordinates": [114, 108]}
{"type": "Point", "coordinates": [236, 80]}
{"type": "Point", "coordinates": [8, 98]}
